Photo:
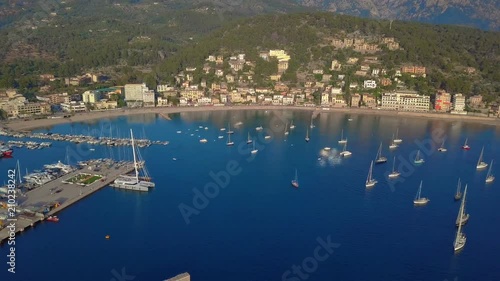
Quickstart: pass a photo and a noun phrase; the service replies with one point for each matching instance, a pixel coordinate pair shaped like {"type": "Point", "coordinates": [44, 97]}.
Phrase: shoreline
{"type": "Point", "coordinates": [21, 125]}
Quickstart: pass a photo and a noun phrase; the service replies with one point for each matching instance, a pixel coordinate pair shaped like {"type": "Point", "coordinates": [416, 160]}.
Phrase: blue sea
{"type": "Point", "coordinates": [220, 213]}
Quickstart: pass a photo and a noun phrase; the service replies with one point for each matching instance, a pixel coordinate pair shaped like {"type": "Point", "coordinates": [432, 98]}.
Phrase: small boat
{"type": "Point", "coordinates": [458, 194]}
{"type": "Point", "coordinates": [259, 128]}
{"type": "Point", "coordinates": [222, 129]}
{"type": "Point", "coordinates": [220, 137]}
{"type": "Point", "coordinates": [442, 148]}
{"type": "Point", "coordinates": [397, 140]}
{"type": "Point", "coordinates": [238, 124]}
{"type": "Point", "coordinates": [295, 182]}
{"type": "Point", "coordinates": [312, 124]}
{"type": "Point", "coordinates": [206, 128]}
{"type": "Point", "coordinates": [463, 217]}
{"type": "Point", "coordinates": [53, 219]}
{"type": "Point", "coordinates": [489, 177]}
{"type": "Point", "coordinates": [460, 238]}
{"type": "Point", "coordinates": [267, 137]}
{"type": "Point", "coordinates": [420, 201]}
{"type": "Point", "coordinates": [393, 145]}
{"type": "Point", "coordinates": [286, 129]}
{"type": "Point", "coordinates": [179, 132]}
{"type": "Point", "coordinates": [350, 119]}
{"type": "Point", "coordinates": [292, 126]}
{"type": "Point", "coordinates": [370, 181]}
{"type": "Point", "coordinates": [254, 151]}
{"type": "Point", "coordinates": [92, 149]}
{"type": "Point", "coordinates": [229, 132]}
{"type": "Point", "coordinates": [380, 159]}
{"type": "Point", "coordinates": [395, 172]}
{"type": "Point", "coordinates": [327, 148]}
{"type": "Point", "coordinates": [229, 142]}
{"type": "Point", "coordinates": [107, 237]}
{"type": "Point", "coordinates": [480, 163]}
{"type": "Point", "coordinates": [342, 140]}
{"type": "Point", "coordinates": [418, 159]}
{"type": "Point", "coordinates": [249, 140]}
{"type": "Point", "coordinates": [307, 135]}
{"type": "Point", "coordinates": [203, 140]}
{"type": "Point", "coordinates": [345, 152]}
{"type": "Point", "coordinates": [466, 146]}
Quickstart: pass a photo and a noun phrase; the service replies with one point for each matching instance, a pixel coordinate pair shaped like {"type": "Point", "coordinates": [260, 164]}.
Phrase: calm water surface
{"type": "Point", "coordinates": [258, 226]}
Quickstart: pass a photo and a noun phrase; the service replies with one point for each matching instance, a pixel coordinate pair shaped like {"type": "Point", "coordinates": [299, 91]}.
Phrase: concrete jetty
{"type": "Point", "coordinates": [61, 194]}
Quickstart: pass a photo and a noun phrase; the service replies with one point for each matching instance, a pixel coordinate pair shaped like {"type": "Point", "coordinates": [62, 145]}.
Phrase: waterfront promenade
{"type": "Point", "coordinates": [69, 194]}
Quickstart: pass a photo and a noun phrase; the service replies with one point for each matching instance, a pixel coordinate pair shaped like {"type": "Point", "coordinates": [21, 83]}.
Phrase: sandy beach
{"type": "Point", "coordinates": [21, 125]}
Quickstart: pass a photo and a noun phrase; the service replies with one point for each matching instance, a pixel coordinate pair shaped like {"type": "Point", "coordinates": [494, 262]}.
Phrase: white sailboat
{"type": "Point", "coordinates": [295, 182]}
{"type": "Point", "coordinates": [462, 217]}
{"type": "Point", "coordinates": [345, 152]}
{"type": "Point", "coordinates": [460, 238]}
{"type": "Point", "coordinates": [458, 194]}
{"type": "Point", "coordinates": [395, 172]}
{"type": "Point", "coordinates": [442, 148]}
{"type": "Point", "coordinates": [134, 182]}
{"type": "Point", "coordinates": [420, 201]}
{"type": "Point", "coordinates": [292, 126]}
{"type": "Point", "coordinates": [229, 132]}
{"type": "Point", "coordinates": [370, 181]}
{"type": "Point", "coordinates": [397, 140]}
{"type": "Point", "coordinates": [380, 159]}
{"type": "Point", "coordinates": [418, 159]}
{"type": "Point", "coordinates": [254, 151]}
{"type": "Point", "coordinates": [312, 124]}
{"type": "Point", "coordinates": [393, 145]}
{"type": "Point", "coordinates": [229, 142]}
{"type": "Point", "coordinates": [249, 140]}
{"type": "Point", "coordinates": [342, 140]}
{"type": "Point", "coordinates": [480, 163]}
{"type": "Point", "coordinates": [489, 177]}
{"type": "Point", "coordinates": [307, 135]}
{"type": "Point", "coordinates": [466, 146]}
{"type": "Point", "coordinates": [286, 129]}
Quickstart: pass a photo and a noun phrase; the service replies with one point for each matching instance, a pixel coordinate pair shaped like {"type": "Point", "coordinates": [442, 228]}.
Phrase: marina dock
{"type": "Point", "coordinates": [61, 195]}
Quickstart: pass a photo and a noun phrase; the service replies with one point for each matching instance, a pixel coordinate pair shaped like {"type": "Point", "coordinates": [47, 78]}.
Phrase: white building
{"type": "Point", "coordinates": [288, 100]}
{"type": "Point", "coordinates": [325, 99]}
{"type": "Point", "coordinates": [91, 96]}
{"type": "Point", "coordinates": [74, 107]}
{"type": "Point", "coordinates": [336, 91]}
{"type": "Point", "coordinates": [458, 102]}
{"type": "Point", "coordinates": [370, 84]}
{"type": "Point", "coordinates": [406, 101]}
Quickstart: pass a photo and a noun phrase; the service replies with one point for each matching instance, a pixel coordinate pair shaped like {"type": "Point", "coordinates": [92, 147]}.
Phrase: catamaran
{"type": "Point", "coordinates": [463, 217]}
{"type": "Point", "coordinates": [254, 149]}
{"type": "Point", "coordinates": [342, 140]}
{"type": "Point", "coordinates": [135, 182]}
{"type": "Point", "coordinates": [380, 159]}
{"type": "Point", "coordinates": [307, 135]}
{"type": "Point", "coordinates": [395, 172]}
{"type": "Point", "coordinates": [418, 159]}
{"type": "Point", "coordinates": [345, 152]}
{"type": "Point", "coordinates": [393, 145]}
{"type": "Point", "coordinates": [420, 201]}
{"type": "Point", "coordinates": [442, 148]}
{"type": "Point", "coordinates": [249, 140]}
{"type": "Point", "coordinates": [292, 126]}
{"type": "Point", "coordinates": [295, 182]}
{"type": "Point", "coordinates": [229, 142]}
{"type": "Point", "coordinates": [397, 139]}
{"type": "Point", "coordinates": [370, 181]}
{"type": "Point", "coordinates": [490, 178]}
{"type": "Point", "coordinates": [458, 194]}
{"type": "Point", "coordinates": [466, 146]}
{"type": "Point", "coordinates": [480, 163]}
{"type": "Point", "coordinates": [460, 239]}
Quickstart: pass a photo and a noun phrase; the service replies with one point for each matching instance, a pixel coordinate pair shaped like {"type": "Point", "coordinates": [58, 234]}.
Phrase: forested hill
{"type": "Point", "coordinates": [445, 50]}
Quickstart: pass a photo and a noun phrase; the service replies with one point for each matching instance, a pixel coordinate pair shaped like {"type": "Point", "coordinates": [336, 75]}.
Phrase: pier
{"type": "Point", "coordinates": [61, 195]}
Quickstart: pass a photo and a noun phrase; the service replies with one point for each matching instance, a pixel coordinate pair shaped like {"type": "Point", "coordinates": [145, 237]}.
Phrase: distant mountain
{"type": "Point", "coordinates": [484, 14]}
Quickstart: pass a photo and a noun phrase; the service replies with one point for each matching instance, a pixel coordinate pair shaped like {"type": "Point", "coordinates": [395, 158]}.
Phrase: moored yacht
{"type": "Point", "coordinates": [420, 201]}
{"type": "Point", "coordinates": [489, 177]}
{"type": "Point", "coordinates": [370, 181]}
{"type": "Point", "coordinates": [480, 163]}
{"type": "Point", "coordinates": [394, 174]}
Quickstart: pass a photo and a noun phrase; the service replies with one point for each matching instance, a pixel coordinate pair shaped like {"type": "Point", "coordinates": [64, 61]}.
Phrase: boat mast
{"type": "Point", "coordinates": [489, 170]}
{"type": "Point", "coordinates": [369, 179]}
{"type": "Point", "coordinates": [394, 165]}
{"type": "Point", "coordinates": [480, 157]}
{"type": "Point", "coordinates": [135, 160]}
{"type": "Point", "coordinates": [296, 176]}
{"type": "Point", "coordinates": [379, 153]}
{"type": "Point", "coordinates": [460, 215]}
{"type": "Point", "coordinates": [459, 185]}
{"type": "Point", "coordinates": [19, 172]}
{"type": "Point", "coordinates": [419, 190]}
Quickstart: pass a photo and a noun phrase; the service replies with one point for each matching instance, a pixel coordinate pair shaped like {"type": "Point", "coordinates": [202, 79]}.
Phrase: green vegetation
{"type": "Point", "coordinates": [91, 180]}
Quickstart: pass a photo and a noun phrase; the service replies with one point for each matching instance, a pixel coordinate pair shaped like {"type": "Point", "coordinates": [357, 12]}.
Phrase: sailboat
{"type": "Point", "coordinates": [420, 201]}
{"type": "Point", "coordinates": [259, 128]}
{"type": "Point", "coordinates": [370, 181]}
{"type": "Point", "coordinates": [229, 132]}
{"type": "Point", "coordinates": [312, 124]}
{"type": "Point", "coordinates": [458, 195]}
{"type": "Point", "coordinates": [254, 149]}
{"type": "Point", "coordinates": [442, 148]}
{"type": "Point", "coordinates": [395, 172]}
{"type": "Point", "coordinates": [307, 135]}
{"type": "Point", "coordinates": [460, 239]}
{"type": "Point", "coordinates": [490, 178]}
{"type": "Point", "coordinates": [286, 129]}
{"type": "Point", "coordinates": [249, 140]}
{"type": "Point", "coordinates": [480, 163]}
{"type": "Point", "coordinates": [418, 159]}
{"type": "Point", "coordinates": [295, 182]}
{"type": "Point", "coordinates": [380, 159]}
{"type": "Point", "coordinates": [397, 140]}
{"type": "Point", "coordinates": [462, 217]}
{"type": "Point", "coordinates": [342, 140]}
{"type": "Point", "coordinates": [229, 142]}
{"type": "Point", "coordinates": [345, 152]}
{"type": "Point", "coordinates": [292, 126]}
{"type": "Point", "coordinates": [134, 182]}
{"type": "Point", "coordinates": [393, 145]}
{"type": "Point", "coordinates": [466, 146]}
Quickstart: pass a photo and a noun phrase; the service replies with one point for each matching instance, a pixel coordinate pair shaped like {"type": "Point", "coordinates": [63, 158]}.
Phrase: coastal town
{"type": "Point", "coordinates": [357, 82]}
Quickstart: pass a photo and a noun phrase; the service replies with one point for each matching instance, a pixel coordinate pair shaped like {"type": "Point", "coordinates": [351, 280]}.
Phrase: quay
{"type": "Point", "coordinates": [66, 194]}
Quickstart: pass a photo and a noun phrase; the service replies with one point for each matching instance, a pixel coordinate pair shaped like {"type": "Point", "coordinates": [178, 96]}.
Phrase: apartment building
{"type": "Point", "coordinates": [405, 101]}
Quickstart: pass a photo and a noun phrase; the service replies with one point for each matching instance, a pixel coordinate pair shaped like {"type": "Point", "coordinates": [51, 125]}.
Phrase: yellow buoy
{"type": "Point", "coordinates": [107, 236]}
